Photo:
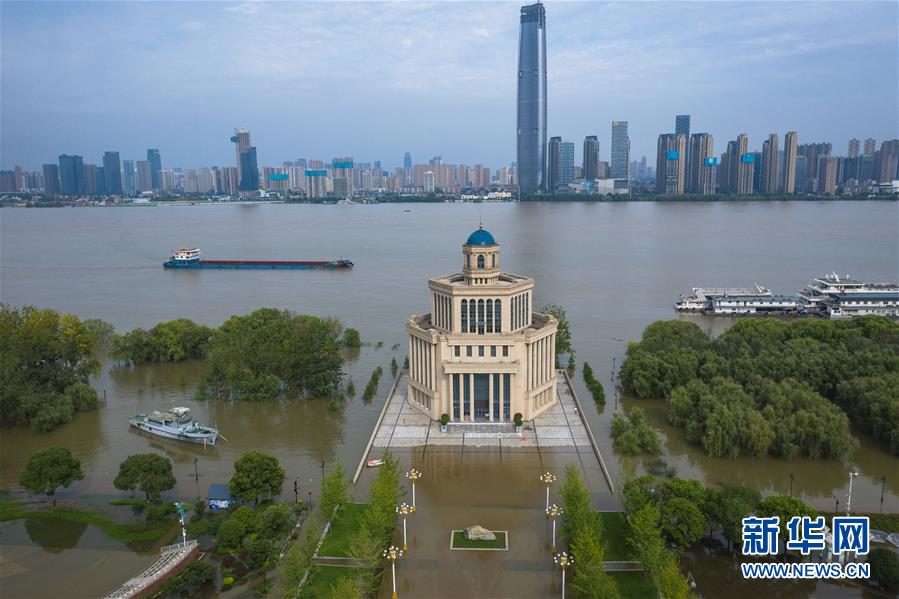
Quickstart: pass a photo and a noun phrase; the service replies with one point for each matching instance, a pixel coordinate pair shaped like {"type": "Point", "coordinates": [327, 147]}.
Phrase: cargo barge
{"type": "Point", "coordinates": [190, 258]}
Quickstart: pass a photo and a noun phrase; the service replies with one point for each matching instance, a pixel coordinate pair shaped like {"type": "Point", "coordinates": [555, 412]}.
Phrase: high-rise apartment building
{"type": "Point", "coordinates": [789, 167]}
{"type": "Point", "coordinates": [71, 175]}
{"type": "Point", "coordinates": [566, 163]}
{"type": "Point", "coordinates": [870, 146]}
{"type": "Point", "coordinates": [703, 164]}
{"type": "Point", "coordinates": [671, 163]}
{"type": "Point", "coordinates": [619, 164]}
{"type": "Point", "coordinates": [812, 153]}
{"type": "Point", "coordinates": [531, 101]}
{"type": "Point", "coordinates": [770, 148]}
{"type": "Point", "coordinates": [155, 160]}
{"type": "Point", "coordinates": [853, 149]}
{"type": "Point", "coordinates": [738, 167]}
{"type": "Point", "coordinates": [886, 160]}
{"type": "Point", "coordinates": [144, 176]}
{"type": "Point", "coordinates": [827, 175]}
{"type": "Point", "coordinates": [591, 157]}
{"type": "Point", "coordinates": [553, 164]}
{"type": "Point", "coordinates": [112, 173]}
{"type": "Point", "coordinates": [51, 180]}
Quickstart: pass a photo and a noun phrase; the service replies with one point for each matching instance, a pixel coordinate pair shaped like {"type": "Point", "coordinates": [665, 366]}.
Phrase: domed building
{"type": "Point", "coordinates": [482, 354]}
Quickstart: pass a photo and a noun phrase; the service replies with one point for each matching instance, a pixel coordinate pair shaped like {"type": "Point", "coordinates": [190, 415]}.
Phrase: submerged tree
{"type": "Point", "coordinates": [50, 469]}
{"type": "Point", "coordinates": [146, 472]}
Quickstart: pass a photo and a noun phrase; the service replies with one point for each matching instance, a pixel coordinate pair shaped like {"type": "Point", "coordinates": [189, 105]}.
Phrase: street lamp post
{"type": "Point", "coordinates": [849, 498]}
{"type": "Point", "coordinates": [393, 554]}
{"type": "Point", "coordinates": [323, 471]}
{"type": "Point", "coordinates": [413, 475]}
{"type": "Point", "coordinates": [197, 475]}
{"type": "Point", "coordinates": [310, 501]}
{"type": "Point", "coordinates": [547, 479]}
{"type": "Point", "coordinates": [296, 490]}
{"type": "Point", "coordinates": [564, 560]}
{"type": "Point", "coordinates": [404, 510]}
{"type": "Point", "coordinates": [836, 505]}
{"type": "Point", "coordinates": [554, 511]}
{"type": "Point", "coordinates": [791, 484]}
{"type": "Point", "coordinates": [883, 484]}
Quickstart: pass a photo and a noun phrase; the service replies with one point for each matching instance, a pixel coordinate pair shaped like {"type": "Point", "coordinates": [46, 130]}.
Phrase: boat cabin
{"type": "Point", "coordinates": [186, 254]}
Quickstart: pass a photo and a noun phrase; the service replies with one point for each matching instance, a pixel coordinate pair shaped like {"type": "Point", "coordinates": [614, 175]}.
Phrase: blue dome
{"type": "Point", "coordinates": [480, 237]}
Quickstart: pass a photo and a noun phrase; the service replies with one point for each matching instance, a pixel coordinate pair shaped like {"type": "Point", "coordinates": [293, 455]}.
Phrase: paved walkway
{"type": "Point", "coordinates": [170, 559]}
{"type": "Point", "coordinates": [404, 426]}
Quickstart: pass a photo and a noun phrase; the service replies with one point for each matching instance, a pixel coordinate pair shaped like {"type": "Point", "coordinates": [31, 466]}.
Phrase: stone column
{"type": "Point", "coordinates": [502, 380]}
{"type": "Point", "coordinates": [490, 395]}
{"type": "Point", "coordinates": [471, 396]}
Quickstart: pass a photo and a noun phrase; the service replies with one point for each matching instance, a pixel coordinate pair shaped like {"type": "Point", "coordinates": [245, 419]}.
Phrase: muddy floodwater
{"type": "Point", "coordinates": [614, 267]}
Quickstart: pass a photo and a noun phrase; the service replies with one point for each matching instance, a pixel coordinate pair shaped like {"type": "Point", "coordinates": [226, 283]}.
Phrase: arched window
{"type": "Point", "coordinates": [472, 318]}
{"type": "Point", "coordinates": [497, 316]}
{"type": "Point", "coordinates": [493, 260]}
{"type": "Point", "coordinates": [480, 317]}
{"type": "Point", "coordinates": [480, 260]}
{"type": "Point", "coordinates": [464, 316]}
{"type": "Point", "coordinates": [490, 316]}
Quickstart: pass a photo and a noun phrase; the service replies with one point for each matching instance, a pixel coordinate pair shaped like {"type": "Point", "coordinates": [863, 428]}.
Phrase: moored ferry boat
{"type": "Point", "coordinates": [177, 424]}
{"type": "Point", "coordinates": [190, 258]}
{"type": "Point", "coordinates": [702, 298]}
{"type": "Point", "coordinates": [823, 292]}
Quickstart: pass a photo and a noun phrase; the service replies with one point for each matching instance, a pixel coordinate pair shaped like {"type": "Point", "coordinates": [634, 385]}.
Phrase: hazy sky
{"type": "Point", "coordinates": [373, 80]}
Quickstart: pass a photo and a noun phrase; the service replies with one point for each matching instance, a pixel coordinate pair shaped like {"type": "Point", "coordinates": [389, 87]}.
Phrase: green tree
{"type": "Point", "coordinates": [236, 526]}
{"type": "Point", "coordinates": [682, 522]}
{"type": "Point", "coordinates": [43, 356]}
{"type": "Point", "coordinates": [634, 435]}
{"type": "Point", "coordinates": [172, 341]}
{"type": "Point", "coordinates": [563, 333]}
{"type": "Point", "coordinates": [885, 569]}
{"type": "Point", "coordinates": [50, 469]}
{"type": "Point", "coordinates": [256, 475]}
{"type": "Point", "coordinates": [347, 587]}
{"type": "Point", "coordinates": [589, 579]}
{"type": "Point", "coordinates": [334, 490]}
{"type": "Point", "coordinates": [147, 472]}
{"type": "Point", "coordinates": [785, 507]}
{"type": "Point", "coordinates": [275, 520]}
{"type": "Point", "coordinates": [351, 338]}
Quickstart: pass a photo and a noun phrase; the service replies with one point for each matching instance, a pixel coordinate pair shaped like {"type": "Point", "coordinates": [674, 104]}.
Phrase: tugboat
{"type": "Point", "coordinates": [177, 424]}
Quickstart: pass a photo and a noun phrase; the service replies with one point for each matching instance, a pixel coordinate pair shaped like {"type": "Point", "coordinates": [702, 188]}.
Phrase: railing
{"type": "Point", "coordinates": [171, 556]}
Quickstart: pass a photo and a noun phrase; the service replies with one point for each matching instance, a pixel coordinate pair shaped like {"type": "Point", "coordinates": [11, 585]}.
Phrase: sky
{"type": "Point", "coordinates": [373, 80]}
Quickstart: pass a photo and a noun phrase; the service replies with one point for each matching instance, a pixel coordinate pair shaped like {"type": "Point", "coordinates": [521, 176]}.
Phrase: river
{"type": "Point", "coordinates": [615, 267]}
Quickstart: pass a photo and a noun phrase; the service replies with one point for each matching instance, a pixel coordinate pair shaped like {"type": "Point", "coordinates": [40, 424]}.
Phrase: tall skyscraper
{"type": "Point", "coordinates": [703, 164]}
{"type": "Point", "coordinates": [671, 161]}
{"type": "Point", "coordinates": [553, 164]}
{"type": "Point", "coordinates": [241, 141]}
{"type": "Point", "coordinates": [770, 149]}
{"type": "Point", "coordinates": [51, 180]}
{"type": "Point", "coordinates": [249, 170]}
{"type": "Point", "coordinates": [853, 149]}
{"type": "Point", "coordinates": [155, 160]}
{"type": "Point", "coordinates": [621, 151]}
{"type": "Point", "coordinates": [739, 167]}
{"type": "Point", "coordinates": [128, 177]}
{"type": "Point", "coordinates": [789, 167]}
{"type": "Point", "coordinates": [566, 162]}
{"type": "Point", "coordinates": [71, 175]}
{"type": "Point", "coordinates": [112, 173]}
{"type": "Point", "coordinates": [682, 125]}
{"type": "Point", "coordinates": [591, 157]}
{"type": "Point", "coordinates": [531, 133]}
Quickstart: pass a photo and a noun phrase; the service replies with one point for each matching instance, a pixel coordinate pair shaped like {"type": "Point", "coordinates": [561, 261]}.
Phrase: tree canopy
{"type": "Point", "coordinates": [147, 472]}
{"type": "Point", "coordinates": [172, 341]}
{"type": "Point", "coordinates": [50, 469]}
{"type": "Point", "coordinates": [768, 386]}
{"type": "Point", "coordinates": [563, 333]}
{"type": "Point", "coordinates": [633, 434]}
{"type": "Point", "coordinates": [46, 361]}
{"type": "Point", "coordinates": [273, 352]}
{"type": "Point", "coordinates": [256, 475]}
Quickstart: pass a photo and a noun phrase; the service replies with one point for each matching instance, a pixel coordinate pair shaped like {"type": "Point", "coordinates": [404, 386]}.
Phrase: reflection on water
{"type": "Point", "coordinates": [54, 536]}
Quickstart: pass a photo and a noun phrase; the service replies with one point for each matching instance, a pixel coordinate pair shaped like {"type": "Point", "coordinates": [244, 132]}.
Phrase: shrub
{"type": "Point", "coordinates": [518, 419]}
{"type": "Point", "coordinates": [444, 419]}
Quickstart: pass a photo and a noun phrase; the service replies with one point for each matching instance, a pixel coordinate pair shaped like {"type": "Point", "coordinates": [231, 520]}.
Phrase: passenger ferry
{"type": "Point", "coordinates": [821, 292]}
{"type": "Point", "coordinates": [702, 297]}
{"type": "Point", "coordinates": [177, 424]}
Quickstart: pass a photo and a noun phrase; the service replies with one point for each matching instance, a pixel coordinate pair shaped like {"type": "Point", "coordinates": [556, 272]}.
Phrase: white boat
{"type": "Point", "coordinates": [702, 297]}
{"type": "Point", "coordinates": [841, 296]}
{"type": "Point", "coordinates": [374, 463]}
{"type": "Point", "coordinates": [177, 424]}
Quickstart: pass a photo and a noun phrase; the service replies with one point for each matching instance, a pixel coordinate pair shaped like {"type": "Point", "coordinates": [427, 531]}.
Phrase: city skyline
{"type": "Point", "coordinates": [185, 113]}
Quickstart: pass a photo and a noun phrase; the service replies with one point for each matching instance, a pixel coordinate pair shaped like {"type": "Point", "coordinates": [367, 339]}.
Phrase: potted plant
{"type": "Point", "coordinates": [518, 421]}
{"type": "Point", "coordinates": [444, 420]}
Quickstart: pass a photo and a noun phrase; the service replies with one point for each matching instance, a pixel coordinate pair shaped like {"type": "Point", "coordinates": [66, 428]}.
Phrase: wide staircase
{"type": "Point", "coordinates": [170, 557]}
